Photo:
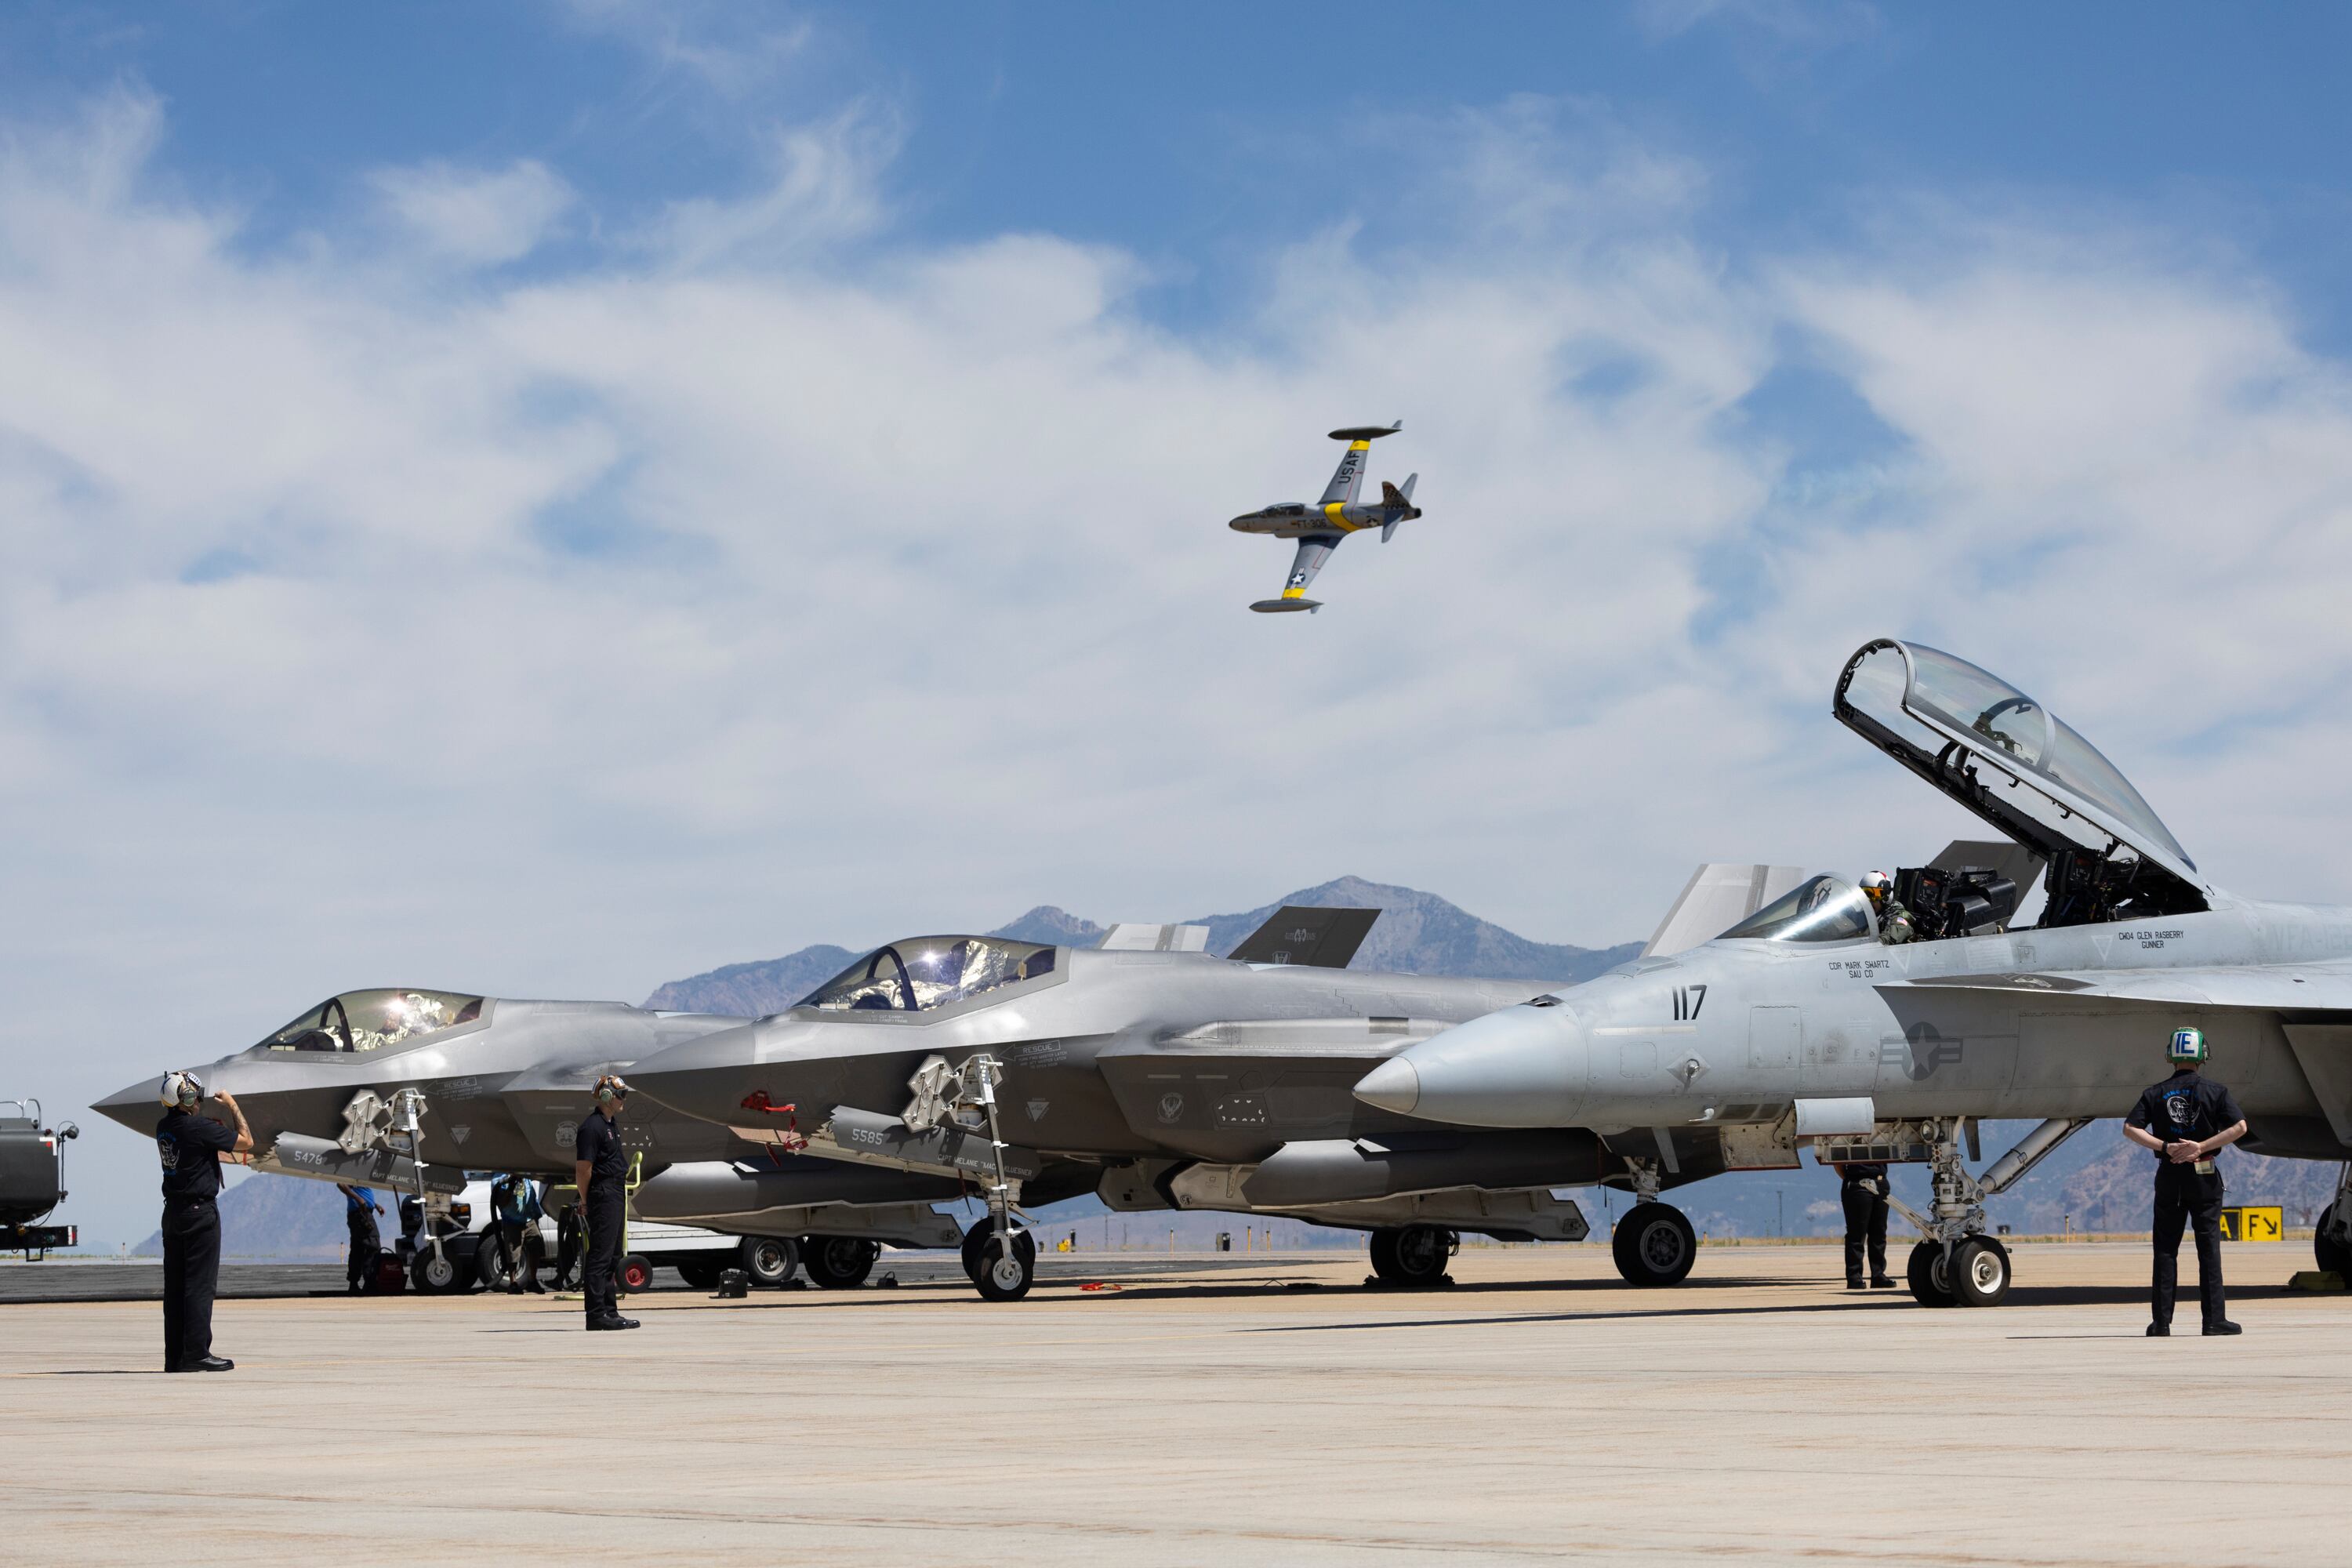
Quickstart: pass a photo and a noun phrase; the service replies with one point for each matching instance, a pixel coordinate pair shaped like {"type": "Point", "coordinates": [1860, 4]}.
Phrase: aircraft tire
{"type": "Point", "coordinates": [978, 1253]}
{"type": "Point", "coordinates": [838, 1262]}
{"type": "Point", "coordinates": [1979, 1272]}
{"type": "Point", "coordinates": [997, 1278]}
{"type": "Point", "coordinates": [1925, 1274]}
{"type": "Point", "coordinates": [1412, 1254]}
{"type": "Point", "coordinates": [436, 1274]}
{"type": "Point", "coordinates": [1655, 1246]}
{"type": "Point", "coordinates": [2331, 1252]}
{"type": "Point", "coordinates": [701, 1270]}
{"type": "Point", "coordinates": [770, 1260]}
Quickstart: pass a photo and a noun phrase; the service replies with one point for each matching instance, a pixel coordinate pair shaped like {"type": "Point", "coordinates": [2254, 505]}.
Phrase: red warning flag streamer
{"type": "Point", "coordinates": [790, 1140]}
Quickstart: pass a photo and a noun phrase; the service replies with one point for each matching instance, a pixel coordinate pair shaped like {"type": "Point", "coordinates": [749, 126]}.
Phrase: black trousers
{"type": "Point", "coordinates": [1866, 1226]}
{"type": "Point", "coordinates": [516, 1241]}
{"type": "Point", "coordinates": [191, 1274]}
{"type": "Point", "coordinates": [604, 1252]}
{"type": "Point", "coordinates": [2196, 1201]}
{"type": "Point", "coordinates": [366, 1242]}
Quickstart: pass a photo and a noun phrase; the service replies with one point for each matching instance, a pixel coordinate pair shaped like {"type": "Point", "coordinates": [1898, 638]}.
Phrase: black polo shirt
{"type": "Point", "coordinates": [190, 1147]}
{"type": "Point", "coordinates": [599, 1144]}
{"type": "Point", "coordinates": [2186, 1106]}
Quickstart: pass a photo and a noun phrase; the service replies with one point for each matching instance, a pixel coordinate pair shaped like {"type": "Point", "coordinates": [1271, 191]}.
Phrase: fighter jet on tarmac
{"type": "Point", "coordinates": [410, 1089]}
{"type": "Point", "coordinates": [1148, 1072]}
{"type": "Point", "coordinates": [1798, 1024]}
{"type": "Point", "coordinates": [1319, 528]}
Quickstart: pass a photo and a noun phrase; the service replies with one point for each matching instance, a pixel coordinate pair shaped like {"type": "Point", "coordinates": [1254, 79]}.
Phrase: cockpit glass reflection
{"type": "Point", "coordinates": [928, 973]}
{"type": "Point", "coordinates": [1822, 908]}
{"type": "Point", "coordinates": [374, 1021]}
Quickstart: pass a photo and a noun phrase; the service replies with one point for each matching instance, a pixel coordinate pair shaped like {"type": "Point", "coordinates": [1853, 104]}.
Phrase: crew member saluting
{"type": "Point", "coordinates": [601, 1172]}
{"type": "Point", "coordinates": [2186, 1119]}
{"type": "Point", "coordinates": [190, 1147]}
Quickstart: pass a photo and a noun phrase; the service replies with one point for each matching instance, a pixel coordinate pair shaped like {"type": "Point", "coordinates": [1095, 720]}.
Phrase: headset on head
{"type": "Point", "coordinates": [180, 1089]}
{"type": "Point", "coordinates": [610, 1088]}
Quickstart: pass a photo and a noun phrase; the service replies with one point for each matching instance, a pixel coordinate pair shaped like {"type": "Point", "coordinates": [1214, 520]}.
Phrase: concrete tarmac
{"type": "Point", "coordinates": [1274, 1413]}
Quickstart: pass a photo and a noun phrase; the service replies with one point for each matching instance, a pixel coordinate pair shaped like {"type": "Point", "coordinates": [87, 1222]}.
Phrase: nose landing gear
{"type": "Point", "coordinates": [1653, 1245]}
{"type": "Point", "coordinates": [1958, 1264]}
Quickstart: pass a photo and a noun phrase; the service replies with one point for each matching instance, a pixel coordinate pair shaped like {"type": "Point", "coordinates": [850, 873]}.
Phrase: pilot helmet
{"type": "Point", "coordinates": [2187, 1045]}
{"type": "Point", "coordinates": [1875, 884]}
{"type": "Point", "coordinates": [181, 1089]}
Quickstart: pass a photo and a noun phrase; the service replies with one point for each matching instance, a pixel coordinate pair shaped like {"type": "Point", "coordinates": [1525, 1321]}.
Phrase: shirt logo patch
{"type": "Point", "coordinates": [2181, 1107]}
{"type": "Point", "coordinates": [169, 1152]}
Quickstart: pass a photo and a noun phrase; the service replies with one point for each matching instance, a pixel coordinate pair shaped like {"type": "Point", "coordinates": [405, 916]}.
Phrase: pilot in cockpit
{"type": "Point", "coordinates": [1894, 920]}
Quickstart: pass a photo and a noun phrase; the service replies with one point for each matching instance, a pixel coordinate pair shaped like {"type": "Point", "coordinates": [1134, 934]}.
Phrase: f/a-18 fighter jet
{"type": "Point", "coordinates": [411, 1088]}
{"type": "Point", "coordinates": [1319, 528]}
{"type": "Point", "coordinates": [1803, 1022]}
{"type": "Point", "coordinates": [1146, 1071]}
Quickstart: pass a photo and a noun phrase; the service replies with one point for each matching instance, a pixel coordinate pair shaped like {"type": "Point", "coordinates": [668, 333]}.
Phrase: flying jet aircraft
{"type": "Point", "coordinates": [410, 1089]}
{"type": "Point", "coordinates": [1799, 1024]}
{"type": "Point", "coordinates": [1152, 1074]}
{"type": "Point", "coordinates": [1319, 528]}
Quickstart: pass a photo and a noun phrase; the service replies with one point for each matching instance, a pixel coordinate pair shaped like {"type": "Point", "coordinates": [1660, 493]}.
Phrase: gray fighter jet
{"type": "Point", "coordinates": [1799, 1024]}
{"type": "Point", "coordinates": [1148, 1072]}
{"type": "Point", "coordinates": [1319, 528]}
{"type": "Point", "coordinates": [410, 1089]}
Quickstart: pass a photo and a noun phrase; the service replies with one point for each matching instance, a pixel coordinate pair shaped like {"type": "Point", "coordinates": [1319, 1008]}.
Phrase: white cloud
{"type": "Point", "coordinates": [476, 217]}
{"type": "Point", "coordinates": [562, 635]}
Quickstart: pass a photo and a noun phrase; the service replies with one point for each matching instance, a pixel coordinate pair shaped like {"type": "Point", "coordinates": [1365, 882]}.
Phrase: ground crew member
{"type": "Point", "coordinates": [2186, 1119]}
{"type": "Point", "coordinates": [601, 1169]}
{"type": "Point", "coordinates": [517, 1210]}
{"type": "Point", "coordinates": [1861, 1188]}
{"type": "Point", "coordinates": [360, 1212]}
{"type": "Point", "coordinates": [1894, 926]}
{"type": "Point", "coordinates": [190, 1147]}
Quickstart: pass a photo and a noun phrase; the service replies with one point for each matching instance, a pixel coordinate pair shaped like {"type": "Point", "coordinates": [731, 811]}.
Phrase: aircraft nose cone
{"type": "Point", "coordinates": [1392, 1085]}
{"type": "Point", "coordinates": [1523, 1067]}
{"type": "Point", "coordinates": [137, 1107]}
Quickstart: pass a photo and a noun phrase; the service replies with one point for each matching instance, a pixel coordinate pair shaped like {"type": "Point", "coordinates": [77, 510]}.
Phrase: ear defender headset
{"type": "Point", "coordinates": [181, 1090]}
{"type": "Point", "coordinates": [2188, 1046]}
{"type": "Point", "coordinates": [611, 1088]}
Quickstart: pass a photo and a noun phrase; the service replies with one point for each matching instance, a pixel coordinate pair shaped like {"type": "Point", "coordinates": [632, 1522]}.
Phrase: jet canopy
{"type": "Point", "coordinates": [372, 1021]}
{"type": "Point", "coordinates": [928, 973]}
{"type": "Point", "coordinates": [1819, 908]}
{"type": "Point", "coordinates": [2013, 762]}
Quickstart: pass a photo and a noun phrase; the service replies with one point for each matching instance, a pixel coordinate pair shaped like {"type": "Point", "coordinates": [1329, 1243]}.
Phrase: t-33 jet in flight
{"type": "Point", "coordinates": [1811, 1020]}
{"type": "Point", "coordinates": [1319, 528]}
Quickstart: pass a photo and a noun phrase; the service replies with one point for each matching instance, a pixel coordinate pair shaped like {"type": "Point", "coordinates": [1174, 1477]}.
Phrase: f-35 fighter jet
{"type": "Point", "coordinates": [1148, 1072]}
{"type": "Point", "coordinates": [411, 1088]}
{"type": "Point", "coordinates": [1319, 528]}
{"type": "Point", "coordinates": [1801, 1023]}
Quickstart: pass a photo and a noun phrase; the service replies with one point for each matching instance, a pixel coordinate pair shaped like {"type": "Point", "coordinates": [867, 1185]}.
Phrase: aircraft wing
{"type": "Point", "coordinates": [2322, 988]}
{"type": "Point", "coordinates": [1306, 934]}
{"type": "Point", "coordinates": [1348, 479]}
{"type": "Point", "coordinates": [1314, 550]}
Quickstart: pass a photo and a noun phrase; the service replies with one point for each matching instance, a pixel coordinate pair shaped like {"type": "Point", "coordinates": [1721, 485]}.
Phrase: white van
{"type": "Point", "coordinates": [700, 1256]}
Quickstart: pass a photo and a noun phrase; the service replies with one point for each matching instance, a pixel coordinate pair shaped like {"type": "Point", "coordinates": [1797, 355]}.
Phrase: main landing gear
{"type": "Point", "coordinates": [1413, 1256]}
{"type": "Point", "coordinates": [1958, 1264]}
{"type": "Point", "coordinates": [1654, 1244]}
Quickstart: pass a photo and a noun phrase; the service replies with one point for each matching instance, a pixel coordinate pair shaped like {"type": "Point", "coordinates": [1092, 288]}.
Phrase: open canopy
{"type": "Point", "coordinates": [2013, 762]}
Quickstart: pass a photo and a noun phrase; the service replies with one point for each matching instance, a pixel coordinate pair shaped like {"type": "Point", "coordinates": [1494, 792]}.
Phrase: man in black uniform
{"type": "Point", "coordinates": [1862, 1190]}
{"type": "Point", "coordinates": [190, 1147]}
{"type": "Point", "coordinates": [2186, 1119]}
{"type": "Point", "coordinates": [601, 1169]}
{"type": "Point", "coordinates": [359, 1213]}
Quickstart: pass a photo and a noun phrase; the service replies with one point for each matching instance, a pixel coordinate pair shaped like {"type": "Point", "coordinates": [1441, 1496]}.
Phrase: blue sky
{"type": "Point", "coordinates": [543, 500]}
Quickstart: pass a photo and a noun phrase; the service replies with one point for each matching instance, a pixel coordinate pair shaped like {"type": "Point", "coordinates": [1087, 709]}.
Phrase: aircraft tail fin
{"type": "Point", "coordinates": [1398, 499]}
{"type": "Point", "coordinates": [1717, 897]}
{"type": "Point", "coordinates": [1307, 934]}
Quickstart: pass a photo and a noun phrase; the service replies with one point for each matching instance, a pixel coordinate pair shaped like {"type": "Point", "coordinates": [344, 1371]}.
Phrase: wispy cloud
{"type": "Point", "coordinates": [473, 216]}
